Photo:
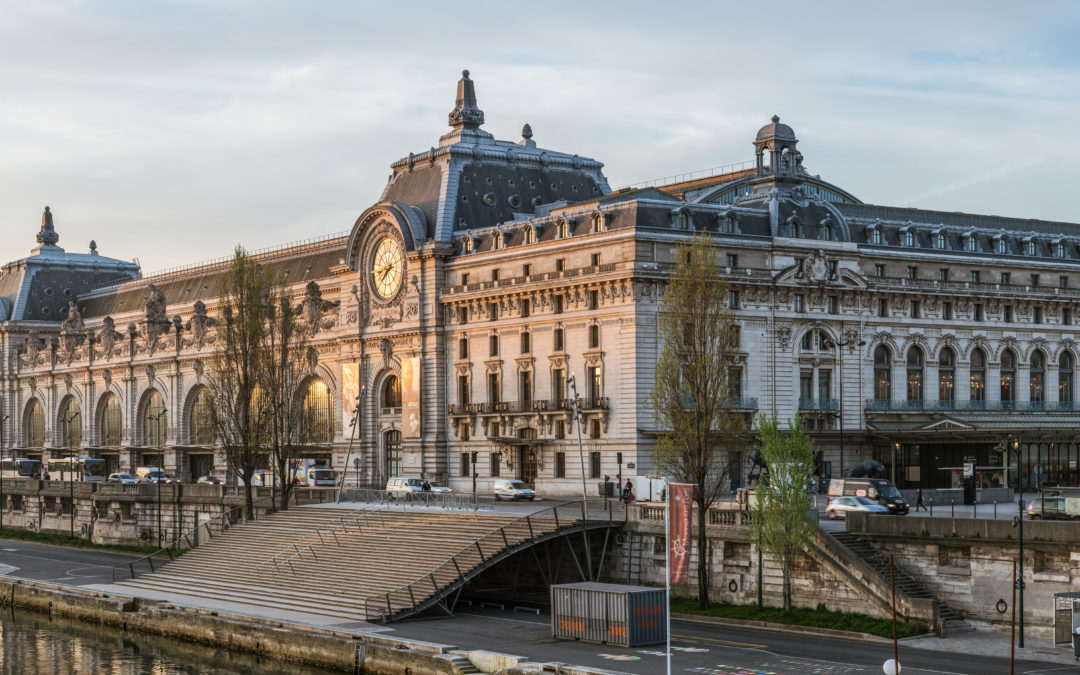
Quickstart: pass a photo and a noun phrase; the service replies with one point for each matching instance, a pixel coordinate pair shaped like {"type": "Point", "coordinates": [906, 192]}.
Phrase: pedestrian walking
{"type": "Point", "coordinates": [918, 500]}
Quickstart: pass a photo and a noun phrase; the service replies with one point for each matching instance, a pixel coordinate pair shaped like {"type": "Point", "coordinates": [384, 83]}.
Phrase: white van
{"type": "Point", "coordinates": [403, 487]}
{"type": "Point", "coordinates": [314, 476]}
{"type": "Point", "coordinates": [153, 474]}
{"type": "Point", "coordinates": [512, 488]}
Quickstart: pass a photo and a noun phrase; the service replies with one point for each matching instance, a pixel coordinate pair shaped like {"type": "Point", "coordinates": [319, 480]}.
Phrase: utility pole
{"type": "Point", "coordinates": [160, 461]}
{"type": "Point", "coordinates": [71, 467]}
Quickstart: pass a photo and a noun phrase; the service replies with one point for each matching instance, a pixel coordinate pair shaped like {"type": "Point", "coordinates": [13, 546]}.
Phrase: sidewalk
{"type": "Point", "coordinates": [989, 643]}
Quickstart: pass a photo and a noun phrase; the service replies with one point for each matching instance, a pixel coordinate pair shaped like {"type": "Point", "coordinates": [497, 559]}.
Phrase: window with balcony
{"type": "Point", "coordinates": [560, 264]}
{"type": "Point", "coordinates": [464, 278]}
{"type": "Point", "coordinates": [977, 375]}
{"type": "Point", "coordinates": [525, 394]}
{"type": "Point", "coordinates": [1037, 380]}
{"type": "Point", "coordinates": [558, 386]}
{"type": "Point", "coordinates": [594, 259]}
{"type": "Point", "coordinates": [824, 386]}
{"type": "Point", "coordinates": [494, 388]}
{"type": "Point", "coordinates": [882, 373]}
{"type": "Point", "coordinates": [1008, 377]}
{"type": "Point", "coordinates": [914, 374]}
{"type": "Point", "coordinates": [464, 398]}
{"type": "Point", "coordinates": [526, 269]}
{"type": "Point", "coordinates": [806, 388]}
{"type": "Point", "coordinates": [734, 382]}
{"type": "Point", "coordinates": [947, 376]}
{"type": "Point", "coordinates": [1065, 377]}
{"type": "Point", "coordinates": [596, 390]}
{"type": "Point", "coordinates": [495, 275]}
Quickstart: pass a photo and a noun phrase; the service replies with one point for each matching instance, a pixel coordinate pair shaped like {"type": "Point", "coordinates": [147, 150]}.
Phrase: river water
{"type": "Point", "coordinates": [35, 643]}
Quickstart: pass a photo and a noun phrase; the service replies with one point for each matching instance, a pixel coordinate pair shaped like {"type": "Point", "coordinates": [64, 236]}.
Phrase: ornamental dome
{"type": "Point", "coordinates": [774, 131]}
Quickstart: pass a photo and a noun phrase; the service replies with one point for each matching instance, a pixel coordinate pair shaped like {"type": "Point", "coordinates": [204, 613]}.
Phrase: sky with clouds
{"type": "Point", "coordinates": [171, 131]}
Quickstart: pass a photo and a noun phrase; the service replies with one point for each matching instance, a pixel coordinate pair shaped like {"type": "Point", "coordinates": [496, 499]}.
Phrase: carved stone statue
{"type": "Point", "coordinates": [33, 345]}
{"type": "Point", "coordinates": [157, 323]}
{"type": "Point", "coordinates": [314, 306]}
{"type": "Point", "coordinates": [109, 336]}
{"type": "Point", "coordinates": [72, 329]}
{"type": "Point", "coordinates": [199, 323]}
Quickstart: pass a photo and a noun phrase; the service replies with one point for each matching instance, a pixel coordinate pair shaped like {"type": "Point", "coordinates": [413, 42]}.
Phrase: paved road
{"type": "Point", "coordinates": [58, 564]}
{"type": "Point", "coordinates": [705, 649]}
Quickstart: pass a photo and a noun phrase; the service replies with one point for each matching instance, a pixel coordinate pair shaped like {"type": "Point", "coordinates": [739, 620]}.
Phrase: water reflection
{"type": "Point", "coordinates": [35, 643]}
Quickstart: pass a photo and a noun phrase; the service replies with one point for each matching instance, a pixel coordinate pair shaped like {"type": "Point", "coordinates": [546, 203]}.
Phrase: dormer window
{"type": "Point", "coordinates": [530, 235]}
{"type": "Point", "coordinates": [909, 238]}
{"type": "Point", "coordinates": [466, 244]}
{"type": "Point", "coordinates": [794, 228]}
{"type": "Point", "coordinates": [727, 223]}
{"type": "Point", "coordinates": [939, 241]}
{"type": "Point", "coordinates": [600, 221]}
{"type": "Point", "coordinates": [971, 244]}
{"type": "Point", "coordinates": [499, 239]}
{"type": "Point", "coordinates": [1059, 249]}
{"type": "Point", "coordinates": [564, 229]}
{"type": "Point", "coordinates": [827, 230]}
{"type": "Point", "coordinates": [1032, 248]}
{"type": "Point", "coordinates": [874, 236]}
{"type": "Point", "coordinates": [1001, 246]}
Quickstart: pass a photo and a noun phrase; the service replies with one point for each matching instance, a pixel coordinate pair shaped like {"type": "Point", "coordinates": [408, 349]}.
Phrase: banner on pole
{"type": "Point", "coordinates": [410, 397]}
{"type": "Point", "coordinates": [350, 392]}
{"type": "Point", "coordinates": [680, 544]}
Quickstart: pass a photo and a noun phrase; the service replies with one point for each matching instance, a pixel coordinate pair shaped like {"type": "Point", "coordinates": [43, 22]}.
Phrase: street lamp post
{"type": "Point", "coordinates": [575, 402]}
{"type": "Point", "coordinates": [353, 433]}
{"type": "Point", "coordinates": [1012, 444]}
{"type": "Point", "coordinates": [3, 502]}
{"type": "Point", "coordinates": [160, 461]}
{"type": "Point", "coordinates": [840, 344]}
{"type": "Point", "coordinates": [71, 468]}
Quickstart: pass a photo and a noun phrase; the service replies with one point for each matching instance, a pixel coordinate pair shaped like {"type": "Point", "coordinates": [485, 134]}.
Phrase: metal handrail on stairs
{"type": "Point", "coordinates": [191, 537]}
{"type": "Point", "coordinates": [415, 593]}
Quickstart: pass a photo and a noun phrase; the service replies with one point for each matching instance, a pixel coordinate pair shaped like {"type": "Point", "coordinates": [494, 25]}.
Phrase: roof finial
{"type": "Point", "coordinates": [47, 236]}
{"type": "Point", "coordinates": [526, 131]}
{"type": "Point", "coordinates": [775, 119]}
{"type": "Point", "coordinates": [465, 113]}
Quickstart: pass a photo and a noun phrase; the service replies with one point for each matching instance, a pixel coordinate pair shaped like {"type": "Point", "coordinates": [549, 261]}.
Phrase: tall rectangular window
{"type": "Point", "coordinates": [833, 305]}
{"type": "Point", "coordinates": [734, 381]}
{"type": "Point", "coordinates": [493, 311]}
{"type": "Point", "coordinates": [557, 340]}
{"type": "Point", "coordinates": [1066, 317]}
{"type": "Point", "coordinates": [526, 343]}
{"type": "Point", "coordinates": [464, 464]}
{"type": "Point", "coordinates": [463, 390]}
{"type": "Point", "coordinates": [558, 387]}
{"type": "Point", "coordinates": [594, 465]}
{"type": "Point", "coordinates": [883, 307]}
{"type": "Point", "coordinates": [494, 390]}
{"type": "Point", "coordinates": [526, 270]}
{"type": "Point", "coordinates": [915, 307]}
{"type": "Point", "coordinates": [824, 382]}
{"type": "Point", "coordinates": [733, 300]}
{"type": "Point", "coordinates": [1063, 282]}
{"type": "Point", "coordinates": [978, 311]}
{"type": "Point", "coordinates": [526, 306]}
{"type": "Point", "coordinates": [800, 303]}
{"type": "Point", "coordinates": [946, 311]}
{"type": "Point", "coordinates": [595, 259]}
{"type": "Point", "coordinates": [943, 274]}
{"type": "Point", "coordinates": [495, 275]}
{"type": "Point", "coordinates": [1034, 279]}
{"type": "Point", "coordinates": [560, 264]}
{"type": "Point", "coordinates": [1008, 314]}
{"type": "Point", "coordinates": [594, 336]}
{"type": "Point", "coordinates": [912, 272]}
{"type": "Point", "coordinates": [464, 278]}
{"type": "Point", "coordinates": [494, 461]}
{"type": "Point", "coordinates": [560, 465]}
{"type": "Point", "coordinates": [557, 305]}
{"type": "Point", "coordinates": [1005, 278]}
{"type": "Point", "coordinates": [879, 271]}
{"type": "Point", "coordinates": [1037, 318]}
{"type": "Point", "coordinates": [595, 385]}
{"type": "Point", "coordinates": [974, 276]}
{"type": "Point", "coordinates": [732, 260]}
{"type": "Point", "coordinates": [525, 386]}
{"type": "Point", "coordinates": [594, 299]}
{"type": "Point", "coordinates": [463, 348]}
{"type": "Point", "coordinates": [493, 345]}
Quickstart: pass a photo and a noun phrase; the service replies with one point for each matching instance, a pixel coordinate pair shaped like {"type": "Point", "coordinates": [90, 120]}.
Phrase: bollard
{"type": "Point", "coordinates": [952, 508]}
{"type": "Point", "coordinates": [995, 509]}
{"type": "Point", "coordinates": [931, 508]}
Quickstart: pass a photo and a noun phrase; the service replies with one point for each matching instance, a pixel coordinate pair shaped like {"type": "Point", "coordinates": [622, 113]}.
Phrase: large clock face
{"type": "Point", "coordinates": [387, 268]}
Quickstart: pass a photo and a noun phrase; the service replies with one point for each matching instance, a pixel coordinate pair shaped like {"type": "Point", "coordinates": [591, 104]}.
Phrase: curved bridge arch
{"type": "Point", "coordinates": [440, 587]}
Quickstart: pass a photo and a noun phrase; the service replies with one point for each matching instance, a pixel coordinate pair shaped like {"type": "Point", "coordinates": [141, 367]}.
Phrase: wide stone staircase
{"type": "Point", "coordinates": [349, 565]}
{"type": "Point", "coordinates": [951, 622]}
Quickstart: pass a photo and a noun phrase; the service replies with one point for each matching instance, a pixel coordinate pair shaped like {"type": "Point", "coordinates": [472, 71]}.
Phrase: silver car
{"type": "Point", "coordinates": [122, 478]}
{"type": "Point", "coordinates": [839, 506]}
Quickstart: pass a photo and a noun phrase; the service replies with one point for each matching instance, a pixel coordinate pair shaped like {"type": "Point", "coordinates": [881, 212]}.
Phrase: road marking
{"type": "Point", "coordinates": [717, 641]}
{"type": "Point", "coordinates": [6, 570]}
{"type": "Point", "coordinates": [1049, 670]}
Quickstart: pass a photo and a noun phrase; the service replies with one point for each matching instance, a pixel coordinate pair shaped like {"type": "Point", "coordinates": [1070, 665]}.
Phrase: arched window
{"type": "Point", "coordinates": [1059, 250]}
{"type": "Point", "coordinates": [909, 238]}
{"type": "Point", "coordinates": [316, 418]}
{"type": "Point", "coordinates": [882, 373]}
{"type": "Point", "coordinates": [391, 397]}
{"type": "Point", "coordinates": [914, 374]}
{"type": "Point", "coordinates": [69, 422]}
{"type": "Point", "coordinates": [392, 441]}
{"type": "Point", "coordinates": [875, 237]}
{"type": "Point", "coordinates": [971, 243]}
{"type": "Point", "coordinates": [939, 241]}
{"type": "Point", "coordinates": [1038, 377]}
{"type": "Point", "coordinates": [1032, 248]}
{"type": "Point", "coordinates": [111, 423]}
{"type": "Point", "coordinates": [978, 376]}
{"type": "Point", "coordinates": [155, 420]}
{"type": "Point", "coordinates": [200, 425]}
{"type": "Point", "coordinates": [946, 377]}
{"type": "Point", "coordinates": [1008, 378]}
{"type": "Point", "coordinates": [1001, 246]}
{"type": "Point", "coordinates": [1065, 379]}
{"type": "Point", "coordinates": [35, 424]}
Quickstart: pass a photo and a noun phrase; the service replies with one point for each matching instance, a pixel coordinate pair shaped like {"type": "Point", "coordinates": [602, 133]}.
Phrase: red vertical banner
{"type": "Point", "coordinates": [680, 543]}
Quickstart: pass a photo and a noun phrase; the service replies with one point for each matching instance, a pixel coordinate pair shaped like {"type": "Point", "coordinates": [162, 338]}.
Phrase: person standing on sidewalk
{"type": "Point", "coordinates": [918, 500]}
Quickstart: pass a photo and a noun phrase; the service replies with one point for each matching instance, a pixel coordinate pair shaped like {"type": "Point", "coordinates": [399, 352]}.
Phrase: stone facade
{"type": "Point", "coordinates": [502, 272]}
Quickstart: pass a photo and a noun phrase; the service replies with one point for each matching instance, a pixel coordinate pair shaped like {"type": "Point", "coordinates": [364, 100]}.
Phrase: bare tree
{"type": "Point", "coordinates": [779, 516]}
{"type": "Point", "coordinates": [286, 364]}
{"type": "Point", "coordinates": [699, 341]}
{"type": "Point", "coordinates": [234, 373]}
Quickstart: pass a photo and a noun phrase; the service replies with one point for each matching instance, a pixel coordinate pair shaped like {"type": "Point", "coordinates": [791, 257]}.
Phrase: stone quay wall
{"type": "Point", "coordinates": [969, 563]}
{"type": "Point", "coordinates": [109, 513]}
{"type": "Point", "coordinates": [825, 575]}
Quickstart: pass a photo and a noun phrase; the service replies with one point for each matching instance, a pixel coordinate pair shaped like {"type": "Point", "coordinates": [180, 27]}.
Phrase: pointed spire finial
{"type": "Point", "coordinates": [47, 236]}
{"type": "Point", "coordinates": [466, 114]}
{"type": "Point", "coordinates": [526, 131]}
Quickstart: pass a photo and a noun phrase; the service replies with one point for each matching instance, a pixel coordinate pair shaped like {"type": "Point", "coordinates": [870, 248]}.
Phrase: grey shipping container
{"type": "Point", "coordinates": [630, 616]}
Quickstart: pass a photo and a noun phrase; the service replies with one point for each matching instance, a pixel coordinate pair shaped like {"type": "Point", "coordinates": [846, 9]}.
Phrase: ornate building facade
{"type": "Point", "coordinates": [495, 282]}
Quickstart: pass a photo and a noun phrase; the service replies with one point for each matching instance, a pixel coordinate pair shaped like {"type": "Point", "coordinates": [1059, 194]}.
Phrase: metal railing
{"type": "Point", "coordinates": [224, 521]}
{"type": "Point", "coordinates": [444, 500]}
{"type": "Point", "coordinates": [461, 566]}
{"type": "Point", "coordinates": [878, 405]}
{"type": "Point", "coordinates": [819, 404]}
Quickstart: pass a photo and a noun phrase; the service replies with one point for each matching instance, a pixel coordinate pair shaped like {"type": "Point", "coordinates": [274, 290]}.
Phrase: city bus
{"type": "Point", "coordinates": [77, 468]}
{"type": "Point", "coordinates": [20, 467]}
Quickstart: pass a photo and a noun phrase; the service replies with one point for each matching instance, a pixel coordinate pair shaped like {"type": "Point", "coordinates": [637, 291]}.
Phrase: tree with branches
{"type": "Point", "coordinates": [234, 373]}
{"type": "Point", "coordinates": [779, 516]}
{"type": "Point", "coordinates": [287, 361]}
{"type": "Point", "coordinates": [691, 396]}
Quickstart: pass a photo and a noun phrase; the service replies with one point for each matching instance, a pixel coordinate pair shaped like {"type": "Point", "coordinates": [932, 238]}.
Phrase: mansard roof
{"type": "Point", "coordinates": [39, 287]}
{"type": "Point", "coordinates": [472, 181]}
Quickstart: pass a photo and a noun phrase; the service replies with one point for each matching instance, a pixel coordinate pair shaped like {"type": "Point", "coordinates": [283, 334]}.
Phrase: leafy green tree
{"type": "Point", "coordinates": [780, 513]}
{"type": "Point", "coordinates": [234, 372]}
{"type": "Point", "coordinates": [691, 396]}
